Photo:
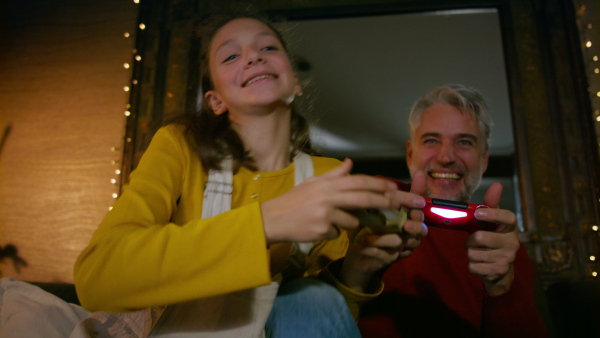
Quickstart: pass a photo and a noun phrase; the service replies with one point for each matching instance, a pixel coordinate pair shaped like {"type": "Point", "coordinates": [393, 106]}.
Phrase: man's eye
{"type": "Point", "coordinates": [430, 141]}
{"type": "Point", "coordinates": [465, 142]}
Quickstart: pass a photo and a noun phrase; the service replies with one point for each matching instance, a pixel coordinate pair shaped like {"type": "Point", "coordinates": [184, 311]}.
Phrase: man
{"type": "Point", "coordinates": [456, 283]}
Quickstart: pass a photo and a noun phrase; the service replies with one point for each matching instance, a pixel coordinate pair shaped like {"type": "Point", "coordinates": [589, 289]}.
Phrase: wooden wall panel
{"type": "Point", "coordinates": [61, 92]}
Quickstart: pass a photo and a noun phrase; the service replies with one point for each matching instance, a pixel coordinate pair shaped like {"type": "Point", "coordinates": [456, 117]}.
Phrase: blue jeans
{"type": "Point", "coordinates": [310, 308]}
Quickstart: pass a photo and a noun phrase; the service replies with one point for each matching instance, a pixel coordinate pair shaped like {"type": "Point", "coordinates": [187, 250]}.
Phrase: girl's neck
{"type": "Point", "coordinates": [267, 137]}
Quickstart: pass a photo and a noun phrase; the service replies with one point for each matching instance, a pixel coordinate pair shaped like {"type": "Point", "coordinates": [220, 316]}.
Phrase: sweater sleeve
{"type": "Point", "coordinates": [515, 311]}
{"type": "Point", "coordinates": [139, 258]}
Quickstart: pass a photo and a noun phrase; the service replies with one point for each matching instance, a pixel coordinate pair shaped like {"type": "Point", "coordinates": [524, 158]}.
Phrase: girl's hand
{"type": "Point", "coordinates": [371, 252]}
{"type": "Point", "coordinates": [316, 209]}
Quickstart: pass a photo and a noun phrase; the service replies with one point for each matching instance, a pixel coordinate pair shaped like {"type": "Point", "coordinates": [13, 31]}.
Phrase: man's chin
{"type": "Point", "coordinates": [445, 194]}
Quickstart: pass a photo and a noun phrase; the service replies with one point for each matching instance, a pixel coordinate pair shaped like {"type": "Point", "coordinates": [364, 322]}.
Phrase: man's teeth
{"type": "Point", "coordinates": [446, 176]}
{"type": "Point", "coordinates": [259, 78]}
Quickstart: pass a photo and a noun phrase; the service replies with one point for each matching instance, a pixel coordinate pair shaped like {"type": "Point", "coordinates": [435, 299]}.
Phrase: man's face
{"type": "Point", "coordinates": [448, 146]}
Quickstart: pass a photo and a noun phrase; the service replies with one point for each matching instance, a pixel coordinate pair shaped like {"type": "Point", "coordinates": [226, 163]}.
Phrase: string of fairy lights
{"type": "Point", "coordinates": [588, 20]}
{"type": "Point", "coordinates": [116, 180]}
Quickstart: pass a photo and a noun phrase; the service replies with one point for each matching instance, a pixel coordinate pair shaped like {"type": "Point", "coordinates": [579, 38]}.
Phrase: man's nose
{"type": "Point", "coordinates": [446, 154]}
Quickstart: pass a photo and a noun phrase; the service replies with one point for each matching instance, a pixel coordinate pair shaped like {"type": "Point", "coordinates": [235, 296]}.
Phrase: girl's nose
{"type": "Point", "coordinates": [253, 57]}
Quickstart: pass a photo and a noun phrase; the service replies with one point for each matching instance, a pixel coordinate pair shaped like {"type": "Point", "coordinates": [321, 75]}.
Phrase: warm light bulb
{"type": "Point", "coordinates": [142, 26]}
{"type": "Point", "coordinates": [126, 34]}
{"type": "Point", "coordinates": [592, 258]}
{"type": "Point", "coordinates": [113, 181]}
{"type": "Point", "coordinates": [587, 44]}
{"type": "Point", "coordinates": [594, 274]}
{"type": "Point", "coordinates": [126, 65]}
{"type": "Point", "coordinates": [595, 58]}
{"type": "Point", "coordinates": [596, 70]}
{"type": "Point", "coordinates": [138, 58]}
{"type": "Point", "coordinates": [598, 118]}
{"type": "Point", "coordinates": [128, 113]}
{"type": "Point", "coordinates": [115, 195]}
{"type": "Point", "coordinates": [594, 227]}
{"type": "Point", "coordinates": [109, 208]}
{"type": "Point", "coordinates": [126, 88]}
{"type": "Point", "coordinates": [118, 172]}
{"type": "Point", "coordinates": [136, 1]}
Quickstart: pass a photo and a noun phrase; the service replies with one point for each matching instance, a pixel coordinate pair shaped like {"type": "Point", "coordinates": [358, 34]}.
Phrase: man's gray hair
{"type": "Point", "coordinates": [464, 98]}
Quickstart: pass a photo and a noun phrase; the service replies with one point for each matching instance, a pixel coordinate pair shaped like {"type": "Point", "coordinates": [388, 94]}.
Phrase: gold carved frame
{"type": "Point", "coordinates": [556, 151]}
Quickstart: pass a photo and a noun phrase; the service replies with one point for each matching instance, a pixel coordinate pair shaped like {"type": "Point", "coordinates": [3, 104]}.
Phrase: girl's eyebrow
{"type": "Point", "coordinates": [229, 41]}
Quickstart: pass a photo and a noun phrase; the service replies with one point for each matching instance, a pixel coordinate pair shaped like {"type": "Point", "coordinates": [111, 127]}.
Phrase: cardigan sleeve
{"type": "Point", "coordinates": [139, 258]}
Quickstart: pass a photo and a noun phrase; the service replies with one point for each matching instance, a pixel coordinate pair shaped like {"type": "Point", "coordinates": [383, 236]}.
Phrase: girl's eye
{"type": "Point", "coordinates": [270, 48]}
{"type": "Point", "coordinates": [229, 58]}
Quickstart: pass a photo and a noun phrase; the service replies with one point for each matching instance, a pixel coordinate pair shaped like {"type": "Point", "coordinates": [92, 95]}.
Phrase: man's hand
{"type": "Point", "coordinates": [370, 252]}
{"type": "Point", "coordinates": [491, 254]}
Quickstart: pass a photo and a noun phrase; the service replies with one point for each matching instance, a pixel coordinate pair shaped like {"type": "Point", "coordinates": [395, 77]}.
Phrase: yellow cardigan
{"type": "Point", "coordinates": [154, 249]}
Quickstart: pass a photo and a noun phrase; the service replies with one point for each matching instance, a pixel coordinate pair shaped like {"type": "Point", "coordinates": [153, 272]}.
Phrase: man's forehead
{"type": "Point", "coordinates": [448, 121]}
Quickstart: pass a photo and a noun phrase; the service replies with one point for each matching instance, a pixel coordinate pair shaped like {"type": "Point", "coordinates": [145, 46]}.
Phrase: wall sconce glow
{"type": "Point", "coordinates": [115, 195]}
{"type": "Point", "coordinates": [142, 27]}
{"type": "Point", "coordinates": [126, 65]}
{"type": "Point", "coordinates": [126, 88]}
{"type": "Point", "coordinates": [118, 172]}
{"type": "Point", "coordinates": [588, 44]}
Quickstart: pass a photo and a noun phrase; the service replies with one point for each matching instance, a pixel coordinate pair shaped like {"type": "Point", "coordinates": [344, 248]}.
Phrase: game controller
{"type": "Point", "coordinates": [448, 214]}
{"type": "Point", "coordinates": [382, 220]}
{"type": "Point", "coordinates": [454, 215]}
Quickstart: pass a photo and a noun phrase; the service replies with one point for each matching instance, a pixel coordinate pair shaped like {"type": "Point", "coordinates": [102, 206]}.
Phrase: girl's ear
{"type": "Point", "coordinates": [297, 87]}
{"type": "Point", "coordinates": [215, 103]}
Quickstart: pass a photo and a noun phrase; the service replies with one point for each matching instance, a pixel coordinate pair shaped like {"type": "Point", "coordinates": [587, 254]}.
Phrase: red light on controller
{"type": "Point", "coordinates": [454, 215]}
{"type": "Point", "coordinates": [446, 213]}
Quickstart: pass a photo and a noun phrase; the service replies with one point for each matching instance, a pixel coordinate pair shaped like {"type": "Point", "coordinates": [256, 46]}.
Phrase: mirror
{"type": "Point", "coordinates": [362, 74]}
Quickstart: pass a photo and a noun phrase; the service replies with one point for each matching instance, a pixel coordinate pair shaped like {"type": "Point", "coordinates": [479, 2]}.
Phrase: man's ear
{"type": "Point", "coordinates": [409, 153]}
{"type": "Point", "coordinates": [484, 160]}
{"type": "Point", "coordinates": [215, 103]}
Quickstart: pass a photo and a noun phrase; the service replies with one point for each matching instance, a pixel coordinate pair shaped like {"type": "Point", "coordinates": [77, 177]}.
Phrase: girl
{"type": "Point", "coordinates": [223, 224]}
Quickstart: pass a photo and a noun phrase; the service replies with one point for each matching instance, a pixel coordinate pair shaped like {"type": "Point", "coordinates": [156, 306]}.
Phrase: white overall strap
{"type": "Point", "coordinates": [218, 190]}
{"type": "Point", "coordinates": [294, 266]}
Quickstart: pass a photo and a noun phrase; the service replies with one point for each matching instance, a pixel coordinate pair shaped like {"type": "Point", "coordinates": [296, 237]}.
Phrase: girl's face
{"type": "Point", "coordinates": [249, 68]}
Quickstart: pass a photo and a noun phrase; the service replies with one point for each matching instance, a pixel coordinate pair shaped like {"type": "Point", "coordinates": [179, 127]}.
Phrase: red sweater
{"type": "Point", "coordinates": [432, 293]}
